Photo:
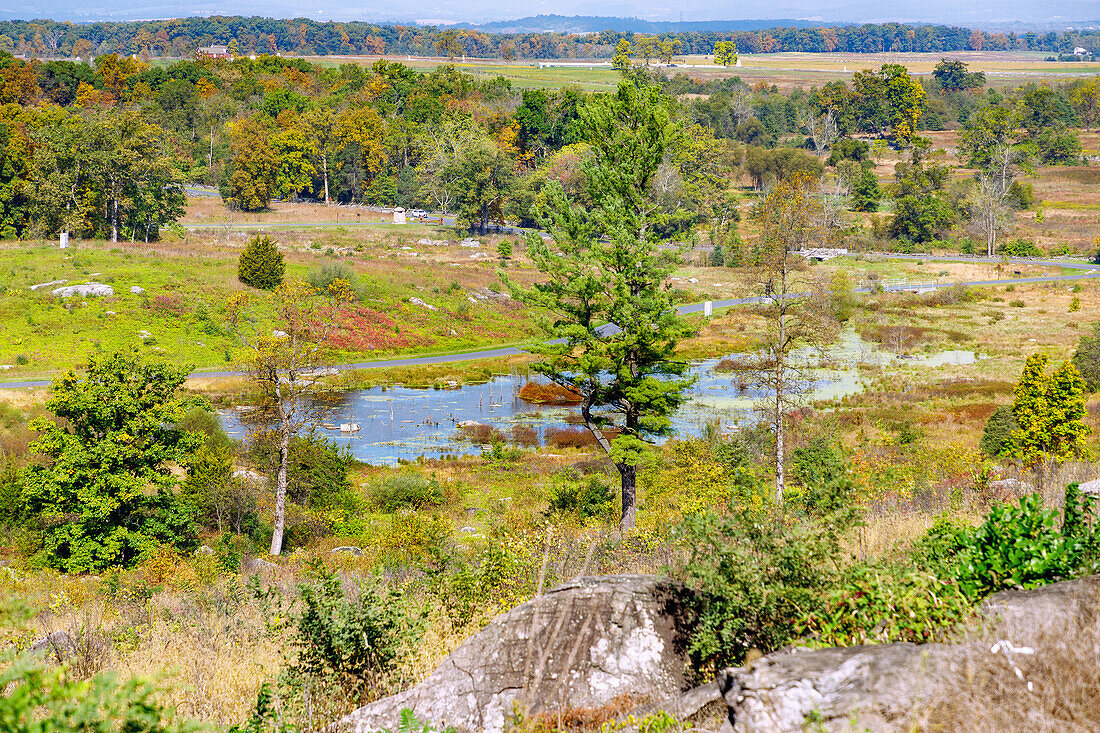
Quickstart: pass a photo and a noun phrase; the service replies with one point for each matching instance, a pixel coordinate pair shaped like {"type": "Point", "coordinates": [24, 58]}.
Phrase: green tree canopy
{"type": "Point", "coordinates": [104, 492]}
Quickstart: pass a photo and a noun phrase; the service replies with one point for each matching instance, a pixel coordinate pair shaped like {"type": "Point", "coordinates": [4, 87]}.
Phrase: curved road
{"type": "Point", "coordinates": [1092, 271]}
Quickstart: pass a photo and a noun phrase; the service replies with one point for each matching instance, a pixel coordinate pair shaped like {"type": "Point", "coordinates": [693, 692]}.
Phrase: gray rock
{"type": "Point", "coordinates": [258, 565]}
{"type": "Point", "coordinates": [1011, 487]}
{"type": "Point", "coordinates": [205, 550]}
{"type": "Point", "coordinates": [421, 303]}
{"type": "Point", "coordinates": [87, 290]}
{"type": "Point", "coordinates": [865, 687]}
{"type": "Point", "coordinates": [137, 289]}
{"type": "Point", "coordinates": [39, 286]}
{"type": "Point", "coordinates": [347, 550]}
{"type": "Point", "coordinates": [250, 476]}
{"type": "Point", "coordinates": [876, 687]}
{"type": "Point", "coordinates": [580, 645]}
{"type": "Point", "coordinates": [59, 643]}
{"type": "Point", "coordinates": [1092, 488]}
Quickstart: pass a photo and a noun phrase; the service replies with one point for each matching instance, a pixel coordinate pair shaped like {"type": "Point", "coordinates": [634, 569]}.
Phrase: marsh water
{"type": "Point", "coordinates": [403, 423]}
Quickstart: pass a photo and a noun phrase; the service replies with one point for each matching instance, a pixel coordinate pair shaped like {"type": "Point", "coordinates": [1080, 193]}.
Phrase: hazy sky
{"type": "Point", "coordinates": [478, 11]}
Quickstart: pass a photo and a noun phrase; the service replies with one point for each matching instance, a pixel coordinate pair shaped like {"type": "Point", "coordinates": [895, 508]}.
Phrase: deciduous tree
{"type": "Point", "coordinates": [105, 494]}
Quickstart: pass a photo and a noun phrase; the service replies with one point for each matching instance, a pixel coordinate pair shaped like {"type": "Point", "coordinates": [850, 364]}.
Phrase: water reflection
{"type": "Point", "coordinates": [402, 423]}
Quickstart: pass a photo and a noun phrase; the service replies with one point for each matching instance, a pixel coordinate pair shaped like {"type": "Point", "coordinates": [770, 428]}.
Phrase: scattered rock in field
{"type": "Point", "coordinates": [493, 294]}
{"type": "Point", "coordinates": [469, 242]}
{"type": "Point", "coordinates": [256, 565]}
{"type": "Point", "coordinates": [59, 643]}
{"type": "Point", "coordinates": [109, 313]}
{"type": "Point", "coordinates": [137, 289]}
{"type": "Point", "coordinates": [1092, 488]}
{"type": "Point", "coordinates": [252, 476]}
{"type": "Point", "coordinates": [87, 290]}
{"type": "Point", "coordinates": [39, 286]}
{"type": "Point", "coordinates": [693, 279]}
{"type": "Point", "coordinates": [432, 242]}
{"type": "Point", "coordinates": [347, 550]}
{"type": "Point", "coordinates": [453, 332]}
{"type": "Point", "coordinates": [6, 367]}
{"type": "Point", "coordinates": [422, 304]}
{"type": "Point", "coordinates": [580, 646]}
{"type": "Point", "coordinates": [279, 334]}
{"type": "Point", "coordinates": [468, 530]}
{"type": "Point", "coordinates": [406, 247]}
{"type": "Point", "coordinates": [204, 550]}
{"type": "Point", "coordinates": [472, 300]}
{"type": "Point", "coordinates": [1010, 487]}
{"type": "Point", "coordinates": [479, 255]}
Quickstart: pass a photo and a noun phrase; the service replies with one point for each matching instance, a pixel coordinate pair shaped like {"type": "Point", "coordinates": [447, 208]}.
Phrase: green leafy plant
{"type": "Point", "coordinates": [355, 642]}
{"type": "Point", "coordinates": [582, 497]}
{"type": "Point", "coordinates": [1025, 546]}
{"type": "Point", "coordinates": [406, 490]}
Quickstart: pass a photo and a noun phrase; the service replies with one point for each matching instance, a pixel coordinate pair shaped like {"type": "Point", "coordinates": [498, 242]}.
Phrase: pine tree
{"type": "Point", "coordinates": [261, 264]}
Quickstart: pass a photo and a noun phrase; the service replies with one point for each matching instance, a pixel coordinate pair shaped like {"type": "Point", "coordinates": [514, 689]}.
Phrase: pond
{"type": "Point", "coordinates": [403, 423]}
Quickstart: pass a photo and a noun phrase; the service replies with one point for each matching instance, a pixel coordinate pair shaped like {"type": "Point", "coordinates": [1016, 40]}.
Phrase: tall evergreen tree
{"type": "Point", "coordinates": [605, 266]}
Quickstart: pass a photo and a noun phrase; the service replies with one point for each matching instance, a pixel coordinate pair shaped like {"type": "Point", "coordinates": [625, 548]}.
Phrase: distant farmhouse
{"type": "Point", "coordinates": [214, 52]}
{"type": "Point", "coordinates": [1081, 52]}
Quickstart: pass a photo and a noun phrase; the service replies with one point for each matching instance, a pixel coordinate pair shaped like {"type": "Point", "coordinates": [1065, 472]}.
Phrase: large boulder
{"type": "Point", "coordinates": [848, 688]}
{"type": "Point", "coordinates": [87, 290]}
{"type": "Point", "coordinates": [588, 644]}
{"type": "Point", "coordinates": [877, 687]}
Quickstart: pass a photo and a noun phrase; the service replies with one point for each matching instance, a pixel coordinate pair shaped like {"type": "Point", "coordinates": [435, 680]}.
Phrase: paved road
{"type": "Point", "coordinates": [1092, 272]}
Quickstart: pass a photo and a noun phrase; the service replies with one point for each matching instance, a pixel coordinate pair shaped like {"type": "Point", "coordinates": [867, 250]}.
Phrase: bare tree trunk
{"type": "Point", "coordinates": [280, 495]}
{"type": "Point", "coordinates": [114, 221]}
{"type": "Point", "coordinates": [324, 164]}
{"type": "Point", "coordinates": [629, 475]}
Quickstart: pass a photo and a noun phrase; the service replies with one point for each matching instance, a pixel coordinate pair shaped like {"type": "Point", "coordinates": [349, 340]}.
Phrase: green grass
{"type": "Point", "coordinates": [182, 309]}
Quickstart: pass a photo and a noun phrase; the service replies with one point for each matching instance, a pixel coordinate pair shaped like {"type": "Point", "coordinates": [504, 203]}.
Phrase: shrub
{"type": "Point", "coordinates": [881, 602]}
{"type": "Point", "coordinates": [756, 575]}
{"type": "Point", "coordinates": [1087, 358]}
{"type": "Point", "coordinates": [353, 644]}
{"type": "Point", "coordinates": [583, 497]}
{"type": "Point", "coordinates": [37, 700]}
{"type": "Point", "coordinates": [406, 490]}
{"type": "Point", "coordinates": [261, 264]}
{"type": "Point", "coordinates": [322, 277]}
{"type": "Point", "coordinates": [996, 437]}
{"type": "Point", "coordinates": [1026, 546]}
{"type": "Point", "coordinates": [548, 394]}
{"type": "Point", "coordinates": [1019, 247]}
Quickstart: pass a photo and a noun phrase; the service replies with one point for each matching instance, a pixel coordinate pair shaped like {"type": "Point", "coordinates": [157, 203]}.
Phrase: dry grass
{"type": "Point", "coordinates": [548, 394]}
{"type": "Point", "coordinates": [1055, 689]}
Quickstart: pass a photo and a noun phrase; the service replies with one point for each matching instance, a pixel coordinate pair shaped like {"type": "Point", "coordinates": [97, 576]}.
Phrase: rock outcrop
{"type": "Point", "coordinates": [87, 290]}
{"type": "Point", "coordinates": [587, 644]}
{"type": "Point", "coordinates": [876, 687]}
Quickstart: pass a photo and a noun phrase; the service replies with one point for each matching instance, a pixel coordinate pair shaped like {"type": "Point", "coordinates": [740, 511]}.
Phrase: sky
{"type": "Point", "coordinates": [950, 12]}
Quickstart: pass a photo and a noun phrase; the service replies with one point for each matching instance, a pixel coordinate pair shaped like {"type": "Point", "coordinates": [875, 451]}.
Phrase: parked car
{"type": "Point", "coordinates": [418, 214]}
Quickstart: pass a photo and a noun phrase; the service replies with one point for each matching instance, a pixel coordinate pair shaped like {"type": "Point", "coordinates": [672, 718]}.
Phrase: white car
{"type": "Point", "coordinates": [418, 214]}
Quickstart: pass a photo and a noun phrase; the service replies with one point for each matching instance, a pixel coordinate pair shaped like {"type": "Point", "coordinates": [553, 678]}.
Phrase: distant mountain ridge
{"type": "Point", "coordinates": [594, 24]}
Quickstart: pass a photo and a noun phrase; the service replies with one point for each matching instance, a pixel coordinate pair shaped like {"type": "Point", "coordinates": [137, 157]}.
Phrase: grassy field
{"type": "Point", "coordinates": [179, 314]}
{"type": "Point", "coordinates": [786, 70]}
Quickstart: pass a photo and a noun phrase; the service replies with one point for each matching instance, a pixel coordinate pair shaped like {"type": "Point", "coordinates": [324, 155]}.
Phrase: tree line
{"type": "Point", "coordinates": [103, 150]}
{"type": "Point", "coordinates": [181, 37]}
